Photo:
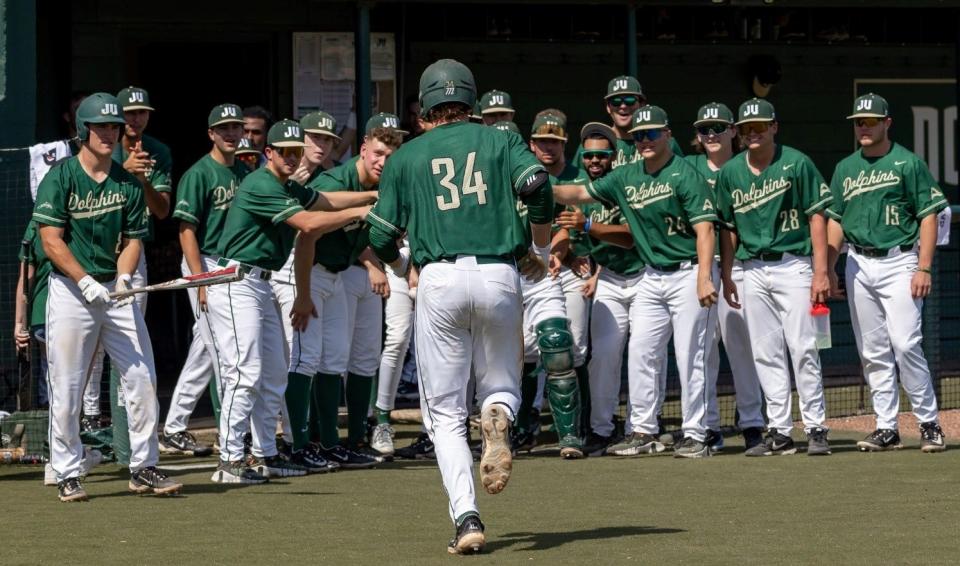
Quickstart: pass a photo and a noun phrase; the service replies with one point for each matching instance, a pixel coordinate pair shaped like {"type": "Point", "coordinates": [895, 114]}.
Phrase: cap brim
{"type": "Point", "coordinates": [138, 107]}
{"type": "Point", "coordinates": [624, 92]}
{"type": "Point", "coordinates": [648, 127]}
{"type": "Point", "coordinates": [547, 137]}
{"type": "Point", "coordinates": [227, 121]}
{"type": "Point", "coordinates": [497, 109]}
{"type": "Point", "coordinates": [712, 121]}
{"type": "Point", "coordinates": [866, 115]}
{"type": "Point", "coordinates": [323, 132]}
{"type": "Point", "coordinates": [398, 130]}
{"type": "Point", "coordinates": [246, 152]}
{"type": "Point", "coordinates": [748, 120]}
{"type": "Point", "coordinates": [287, 144]}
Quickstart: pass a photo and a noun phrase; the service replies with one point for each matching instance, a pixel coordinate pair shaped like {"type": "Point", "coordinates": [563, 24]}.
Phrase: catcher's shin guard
{"type": "Point", "coordinates": [563, 392]}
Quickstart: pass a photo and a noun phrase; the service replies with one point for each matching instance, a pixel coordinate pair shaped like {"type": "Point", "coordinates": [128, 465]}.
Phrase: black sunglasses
{"type": "Point", "coordinates": [715, 129]}
{"type": "Point", "coordinates": [596, 154]}
{"type": "Point", "coordinates": [621, 100]}
{"type": "Point", "coordinates": [648, 134]}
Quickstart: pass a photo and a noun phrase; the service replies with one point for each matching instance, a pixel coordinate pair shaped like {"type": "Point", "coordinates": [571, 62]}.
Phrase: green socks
{"type": "Point", "coordinates": [323, 409]}
{"type": "Point", "coordinates": [298, 407]}
{"type": "Point", "coordinates": [358, 403]}
{"type": "Point", "coordinates": [583, 380]}
{"type": "Point", "coordinates": [383, 417]}
{"type": "Point", "coordinates": [528, 394]}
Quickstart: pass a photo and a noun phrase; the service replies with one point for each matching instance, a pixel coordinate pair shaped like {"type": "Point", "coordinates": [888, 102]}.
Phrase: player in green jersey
{"type": "Point", "coordinates": [772, 201]}
{"type": "Point", "coordinates": [259, 230]}
{"type": "Point", "coordinates": [204, 195]}
{"type": "Point", "coordinates": [716, 143]}
{"type": "Point", "coordinates": [496, 106]}
{"type": "Point", "coordinates": [441, 188]}
{"type": "Point", "coordinates": [885, 206]}
{"type": "Point", "coordinates": [669, 208]}
{"type": "Point", "coordinates": [90, 214]}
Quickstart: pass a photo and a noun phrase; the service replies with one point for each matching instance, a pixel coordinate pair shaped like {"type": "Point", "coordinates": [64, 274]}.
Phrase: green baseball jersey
{"type": "Point", "coordinates": [255, 231]}
{"type": "Point", "coordinates": [339, 249]}
{"type": "Point", "coordinates": [626, 153]}
{"type": "Point", "coordinates": [883, 198]}
{"type": "Point", "coordinates": [94, 216]}
{"type": "Point", "coordinates": [770, 211]}
{"type": "Point", "coordinates": [36, 257]}
{"type": "Point", "coordinates": [661, 208]}
{"type": "Point", "coordinates": [204, 194]}
{"type": "Point", "coordinates": [699, 162]}
{"type": "Point", "coordinates": [619, 260]}
{"type": "Point", "coordinates": [160, 176]}
{"type": "Point", "coordinates": [455, 190]}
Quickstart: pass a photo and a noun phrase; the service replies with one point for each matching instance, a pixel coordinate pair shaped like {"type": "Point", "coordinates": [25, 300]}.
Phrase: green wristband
{"type": "Point", "coordinates": [925, 270]}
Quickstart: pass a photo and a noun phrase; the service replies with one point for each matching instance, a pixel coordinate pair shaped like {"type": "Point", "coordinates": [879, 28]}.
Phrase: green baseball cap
{"type": "Point", "coordinates": [756, 110]}
{"type": "Point", "coordinates": [475, 115]}
{"type": "Point", "coordinates": [549, 127]}
{"type": "Point", "coordinates": [649, 118]}
{"type": "Point", "coordinates": [285, 133]}
{"type": "Point", "coordinates": [134, 98]}
{"type": "Point", "coordinates": [714, 112]}
{"type": "Point", "coordinates": [591, 129]}
{"type": "Point", "coordinates": [384, 120]}
{"type": "Point", "coordinates": [320, 123]}
{"type": "Point", "coordinates": [225, 114]}
{"type": "Point", "coordinates": [245, 148]}
{"type": "Point", "coordinates": [624, 84]}
{"type": "Point", "coordinates": [870, 106]}
{"type": "Point", "coordinates": [506, 126]}
{"type": "Point", "coordinates": [496, 101]}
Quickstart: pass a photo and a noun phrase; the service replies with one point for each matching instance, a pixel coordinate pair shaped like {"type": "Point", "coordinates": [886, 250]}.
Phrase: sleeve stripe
{"type": "Point", "coordinates": [817, 206]}
{"type": "Point", "coordinates": [703, 218]}
{"type": "Point", "coordinates": [384, 223]}
{"type": "Point", "coordinates": [833, 214]}
{"type": "Point", "coordinates": [283, 214]}
{"type": "Point", "coordinates": [313, 200]}
{"type": "Point", "coordinates": [43, 219]}
{"type": "Point", "coordinates": [592, 192]}
{"type": "Point", "coordinates": [184, 215]}
{"type": "Point", "coordinates": [523, 176]}
{"type": "Point", "coordinates": [162, 188]}
{"type": "Point", "coordinates": [931, 208]}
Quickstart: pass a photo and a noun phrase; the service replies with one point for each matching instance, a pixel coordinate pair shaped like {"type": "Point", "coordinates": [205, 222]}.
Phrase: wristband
{"type": "Point", "coordinates": [925, 270]}
{"type": "Point", "coordinates": [587, 225]}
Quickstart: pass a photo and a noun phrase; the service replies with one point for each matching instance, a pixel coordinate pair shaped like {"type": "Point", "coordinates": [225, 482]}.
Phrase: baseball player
{"type": "Point", "coordinates": [204, 195]}
{"type": "Point", "coordinates": [346, 338]}
{"type": "Point", "coordinates": [256, 122]}
{"type": "Point", "coordinates": [885, 205]}
{"type": "Point", "coordinates": [507, 126]}
{"type": "Point", "coordinates": [440, 187]}
{"type": "Point", "coordinates": [605, 238]}
{"type": "Point", "coordinates": [90, 214]}
{"type": "Point", "coordinates": [257, 235]}
{"type": "Point", "coordinates": [716, 141]}
{"type": "Point", "coordinates": [247, 155]}
{"type": "Point", "coordinates": [669, 208]}
{"type": "Point", "coordinates": [771, 202]}
{"type": "Point", "coordinates": [496, 106]}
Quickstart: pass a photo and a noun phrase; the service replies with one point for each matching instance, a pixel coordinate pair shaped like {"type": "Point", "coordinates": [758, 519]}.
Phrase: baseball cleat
{"type": "Point", "coordinates": [714, 440]}
{"type": "Point", "coordinates": [523, 440]}
{"type": "Point", "coordinates": [817, 444]}
{"type": "Point", "coordinates": [91, 458]}
{"type": "Point", "coordinates": [70, 490]}
{"type": "Point", "coordinates": [637, 443]}
{"type": "Point", "coordinates": [931, 438]}
{"type": "Point", "coordinates": [348, 459]}
{"type": "Point", "coordinates": [571, 453]}
{"type": "Point", "coordinates": [237, 472]}
{"type": "Point", "coordinates": [152, 480]}
{"type": "Point", "coordinates": [469, 538]}
{"type": "Point", "coordinates": [90, 423]}
{"type": "Point", "coordinates": [775, 444]}
{"type": "Point", "coordinates": [183, 443]}
{"type": "Point", "coordinates": [596, 445]}
{"type": "Point", "coordinates": [382, 439]}
{"type": "Point", "coordinates": [880, 440]}
{"type": "Point", "coordinates": [277, 466]}
{"type": "Point", "coordinates": [752, 436]}
{"type": "Point", "coordinates": [496, 462]}
{"type": "Point", "coordinates": [691, 448]}
{"type": "Point", "coordinates": [420, 449]}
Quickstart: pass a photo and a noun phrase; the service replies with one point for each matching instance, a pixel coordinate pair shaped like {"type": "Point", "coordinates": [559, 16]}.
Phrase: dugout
{"type": "Point", "coordinates": [192, 55]}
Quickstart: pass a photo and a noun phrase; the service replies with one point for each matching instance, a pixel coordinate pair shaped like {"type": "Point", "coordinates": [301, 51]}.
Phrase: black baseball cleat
{"type": "Point", "coordinates": [152, 480]}
{"type": "Point", "coordinates": [752, 436]}
{"type": "Point", "coordinates": [71, 490]}
{"type": "Point", "coordinates": [469, 538]}
{"type": "Point", "coordinates": [90, 423]}
{"type": "Point", "coordinates": [817, 444]}
{"type": "Point", "coordinates": [348, 459]}
{"type": "Point", "coordinates": [776, 444]}
{"type": "Point", "coordinates": [880, 440]}
{"type": "Point", "coordinates": [421, 449]}
{"type": "Point", "coordinates": [183, 443]}
{"type": "Point", "coordinates": [596, 445]}
{"type": "Point", "coordinates": [311, 459]}
{"type": "Point", "coordinates": [931, 438]}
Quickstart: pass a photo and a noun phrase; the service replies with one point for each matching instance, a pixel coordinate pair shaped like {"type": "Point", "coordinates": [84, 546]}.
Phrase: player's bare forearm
{"type": "Point", "coordinates": [541, 234]}
{"type": "Point", "coordinates": [834, 242]}
{"type": "Point", "coordinates": [706, 244]}
{"type": "Point", "coordinates": [820, 285]}
{"type": "Point", "coordinates": [341, 200]}
{"type": "Point", "coordinates": [157, 202]}
{"type": "Point", "coordinates": [928, 241]}
{"type": "Point", "coordinates": [59, 254]}
{"type": "Point", "coordinates": [616, 234]}
{"type": "Point", "coordinates": [319, 222]}
{"type": "Point", "coordinates": [20, 308]}
{"type": "Point", "coordinates": [728, 247]}
{"type": "Point", "coordinates": [129, 256]}
{"type": "Point", "coordinates": [571, 194]}
{"type": "Point", "coordinates": [303, 255]}
{"type": "Point", "coordinates": [190, 247]}
{"type": "Point", "coordinates": [560, 244]}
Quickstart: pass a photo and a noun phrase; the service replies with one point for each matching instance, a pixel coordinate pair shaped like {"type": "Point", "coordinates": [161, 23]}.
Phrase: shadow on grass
{"type": "Point", "coordinates": [546, 541]}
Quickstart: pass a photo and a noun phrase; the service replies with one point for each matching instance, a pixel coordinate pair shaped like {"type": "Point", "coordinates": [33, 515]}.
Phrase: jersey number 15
{"type": "Point", "coordinates": [472, 182]}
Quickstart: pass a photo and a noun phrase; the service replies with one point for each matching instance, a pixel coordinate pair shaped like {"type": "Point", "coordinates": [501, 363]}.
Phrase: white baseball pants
{"type": "Point", "coordinates": [364, 321]}
{"type": "Point", "coordinates": [578, 313]}
{"type": "Point", "coordinates": [310, 347]}
{"type": "Point", "coordinates": [91, 393]}
{"type": "Point", "coordinates": [541, 300]}
{"type": "Point", "coordinates": [398, 314]}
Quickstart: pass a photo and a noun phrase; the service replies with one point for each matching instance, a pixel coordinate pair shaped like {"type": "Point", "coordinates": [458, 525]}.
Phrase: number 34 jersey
{"type": "Point", "coordinates": [454, 190]}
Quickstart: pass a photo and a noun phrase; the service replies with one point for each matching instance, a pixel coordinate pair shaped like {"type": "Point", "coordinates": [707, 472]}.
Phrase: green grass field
{"type": "Point", "coordinates": [849, 508]}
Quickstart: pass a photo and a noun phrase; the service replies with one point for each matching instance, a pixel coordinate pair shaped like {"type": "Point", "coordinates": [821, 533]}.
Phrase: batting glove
{"type": "Point", "coordinates": [123, 284]}
{"type": "Point", "coordinates": [93, 292]}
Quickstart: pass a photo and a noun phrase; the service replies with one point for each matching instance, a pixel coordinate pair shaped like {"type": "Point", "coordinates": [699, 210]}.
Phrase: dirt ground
{"type": "Point", "coordinates": [949, 422]}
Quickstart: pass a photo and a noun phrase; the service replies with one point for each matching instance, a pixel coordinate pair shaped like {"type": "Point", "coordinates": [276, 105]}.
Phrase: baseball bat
{"type": "Point", "coordinates": [220, 276]}
{"type": "Point", "coordinates": [24, 369]}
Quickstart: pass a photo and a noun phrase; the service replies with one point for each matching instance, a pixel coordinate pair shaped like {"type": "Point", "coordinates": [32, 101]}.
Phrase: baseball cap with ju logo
{"type": "Point", "coordinates": [245, 148]}
{"type": "Point", "coordinates": [649, 118]}
{"type": "Point", "coordinates": [496, 101]}
{"type": "Point", "coordinates": [320, 123]}
{"type": "Point", "coordinates": [712, 113]}
{"type": "Point", "coordinates": [870, 106]}
{"type": "Point", "coordinates": [624, 85]}
{"type": "Point", "coordinates": [384, 120]}
{"type": "Point", "coordinates": [134, 98]}
{"type": "Point", "coordinates": [225, 114]}
{"type": "Point", "coordinates": [285, 133]}
{"type": "Point", "coordinates": [756, 110]}
{"type": "Point", "coordinates": [549, 126]}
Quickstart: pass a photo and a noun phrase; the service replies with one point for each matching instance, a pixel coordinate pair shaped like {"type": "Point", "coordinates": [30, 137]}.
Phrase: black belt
{"type": "Point", "coordinates": [481, 259]}
{"type": "Point", "coordinates": [877, 252]}
{"type": "Point", "coordinates": [245, 269]}
{"type": "Point", "coordinates": [669, 268]}
{"type": "Point", "coordinates": [98, 277]}
{"type": "Point", "coordinates": [769, 256]}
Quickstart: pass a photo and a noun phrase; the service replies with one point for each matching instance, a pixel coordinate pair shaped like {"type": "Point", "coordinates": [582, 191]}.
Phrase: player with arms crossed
{"type": "Point", "coordinates": [669, 208]}
{"type": "Point", "coordinates": [90, 214]}
{"type": "Point", "coordinates": [885, 205]}
{"type": "Point", "coordinates": [442, 187]}
{"type": "Point", "coordinates": [772, 201]}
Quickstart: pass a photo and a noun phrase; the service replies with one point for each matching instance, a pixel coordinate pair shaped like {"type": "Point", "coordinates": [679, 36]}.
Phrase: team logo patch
{"type": "Point", "coordinates": [110, 109]}
{"type": "Point", "coordinates": [707, 205]}
{"type": "Point", "coordinates": [292, 132]}
{"type": "Point", "coordinates": [228, 111]}
{"type": "Point", "coordinates": [135, 96]}
{"type": "Point", "coordinates": [449, 88]}
{"type": "Point", "coordinates": [50, 157]}
{"type": "Point", "coordinates": [711, 113]}
{"type": "Point", "coordinates": [619, 84]}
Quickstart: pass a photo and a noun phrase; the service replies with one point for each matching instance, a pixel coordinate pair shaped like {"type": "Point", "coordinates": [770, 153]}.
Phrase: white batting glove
{"type": "Point", "coordinates": [123, 284]}
{"type": "Point", "coordinates": [543, 253]}
{"type": "Point", "coordinates": [404, 263]}
{"type": "Point", "coordinates": [93, 292]}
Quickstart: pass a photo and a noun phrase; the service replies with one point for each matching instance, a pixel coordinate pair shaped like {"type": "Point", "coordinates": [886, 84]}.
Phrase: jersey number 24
{"type": "Point", "coordinates": [472, 182]}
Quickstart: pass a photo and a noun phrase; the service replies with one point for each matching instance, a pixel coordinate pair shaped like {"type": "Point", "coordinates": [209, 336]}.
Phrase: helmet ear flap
{"type": "Point", "coordinates": [83, 131]}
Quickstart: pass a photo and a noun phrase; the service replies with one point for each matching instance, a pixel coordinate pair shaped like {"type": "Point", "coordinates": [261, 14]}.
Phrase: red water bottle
{"type": "Point", "coordinates": [821, 320]}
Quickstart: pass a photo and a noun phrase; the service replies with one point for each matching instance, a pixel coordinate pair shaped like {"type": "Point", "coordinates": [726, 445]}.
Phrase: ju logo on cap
{"type": "Point", "coordinates": [496, 101]}
{"type": "Point", "coordinates": [225, 114]}
{"type": "Point", "coordinates": [870, 106]}
{"type": "Point", "coordinates": [649, 118]}
{"type": "Point", "coordinates": [712, 113]}
{"type": "Point", "coordinates": [756, 110]}
{"type": "Point", "coordinates": [624, 84]}
{"type": "Point", "coordinates": [384, 120]}
{"type": "Point", "coordinates": [319, 123]}
{"type": "Point", "coordinates": [134, 98]}
{"type": "Point", "coordinates": [285, 133]}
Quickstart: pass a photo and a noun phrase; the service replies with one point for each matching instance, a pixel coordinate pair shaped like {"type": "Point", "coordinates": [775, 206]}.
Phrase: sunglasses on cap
{"type": "Point", "coordinates": [753, 128]}
{"type": "Point", "coordinates": [596, 154]}
{"type": "Point", "coordinates": [550, 130]}
{"type": "Point", "coordinates": [651, 135]}
{"type": "Point", "coordinates": [715, 129]}
{"type": "Point", "coordinates": [621, 100]}
{"type": "Point", "coordinates": [286, 152]}
{"type": "Point", "coordinates": [867, 122]}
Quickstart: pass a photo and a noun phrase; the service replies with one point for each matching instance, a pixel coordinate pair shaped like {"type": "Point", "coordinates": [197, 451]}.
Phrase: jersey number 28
{"type": "Point", "coordinates": [472, 181]}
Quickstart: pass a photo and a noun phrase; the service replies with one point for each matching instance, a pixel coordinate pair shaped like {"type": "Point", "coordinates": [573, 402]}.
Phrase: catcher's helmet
{"type": "Point", "coordinates": [446, 80]}
{"type": "Point", "coordinates": [98, 108]}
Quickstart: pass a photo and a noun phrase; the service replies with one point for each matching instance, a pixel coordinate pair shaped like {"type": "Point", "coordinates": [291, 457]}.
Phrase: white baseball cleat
{"type": "Point", "coordinates": [496, 462]}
